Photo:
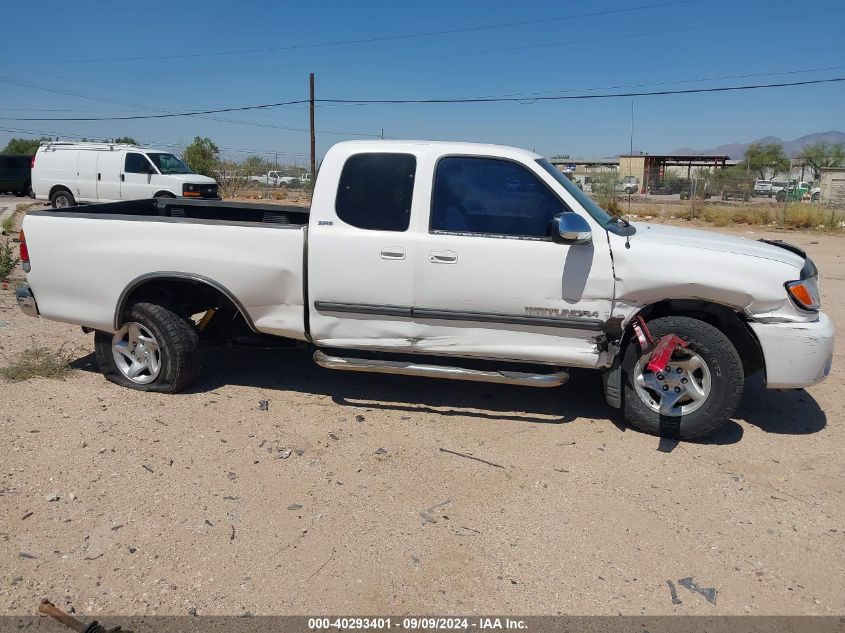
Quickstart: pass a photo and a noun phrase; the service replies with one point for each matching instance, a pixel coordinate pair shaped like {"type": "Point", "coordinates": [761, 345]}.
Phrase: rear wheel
{"type": "Point", "coordinates": [62, 199]}
{"type": "Point", "coordinates": [154, 350]}
{"type": "Point", "coordinates": [697, 392]}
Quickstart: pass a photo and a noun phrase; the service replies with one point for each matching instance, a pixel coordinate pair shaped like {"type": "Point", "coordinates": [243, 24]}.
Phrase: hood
{"type": "Point", "coordinates": [194, 179]}
{"type": "Point", "coordinates": [711, 241]}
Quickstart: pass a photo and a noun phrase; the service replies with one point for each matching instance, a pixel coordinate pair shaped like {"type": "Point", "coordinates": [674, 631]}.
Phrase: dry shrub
{"type": "Point", "coordinates": [811, 216]}
{"type": "Point", "coordinates": [41, 362]}
{"type": "Point", "coordinates": [717, 216]}
{"type": "Point", "coordinates": [8, 259]}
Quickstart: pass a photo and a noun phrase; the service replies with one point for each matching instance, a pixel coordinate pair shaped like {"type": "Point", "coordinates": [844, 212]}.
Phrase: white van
{"type": "Point", "coordinates": [71, 173]}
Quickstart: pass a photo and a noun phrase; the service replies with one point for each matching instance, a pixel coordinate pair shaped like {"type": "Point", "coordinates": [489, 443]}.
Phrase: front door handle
{"type": "Point", "coordinates": [122, 177]}
{"type": "Point", "coordinates": [392, 252]}
{"type": "Point", "coordinates": [443, 257]}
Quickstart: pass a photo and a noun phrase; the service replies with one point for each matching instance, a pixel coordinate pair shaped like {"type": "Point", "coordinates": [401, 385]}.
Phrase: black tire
{"type": "Point", "coordinates": [60, 195]}
{"type": "Point", "coordinates": [164, 194]}
{"type": "Point", "coordinates": [178, 344]}
{"type": "Point", "coordinates": [726, 378]}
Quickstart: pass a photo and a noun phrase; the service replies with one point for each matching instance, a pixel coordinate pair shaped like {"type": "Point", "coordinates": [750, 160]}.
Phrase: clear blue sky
{"type": "Point", "coordinates": [677, 43]}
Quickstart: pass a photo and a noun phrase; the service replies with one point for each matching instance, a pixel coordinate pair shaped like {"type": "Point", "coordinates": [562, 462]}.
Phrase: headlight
{"type": "Point", "coordinates": [805, 291]}
{"type": "Point", "coordinates": [189, 190]}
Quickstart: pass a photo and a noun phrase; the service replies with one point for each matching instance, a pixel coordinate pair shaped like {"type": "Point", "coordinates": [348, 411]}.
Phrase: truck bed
{"type": "Point", "coordinates": [205, 210]}
{"type": "Point", "coordinates": [84, 259]}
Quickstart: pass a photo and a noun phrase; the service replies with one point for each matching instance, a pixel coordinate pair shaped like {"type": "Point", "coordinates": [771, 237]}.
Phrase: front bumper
{"type": "Point", "coordinates": [26, 301]}
{"type": "Point", "coordinates": [796, 354]}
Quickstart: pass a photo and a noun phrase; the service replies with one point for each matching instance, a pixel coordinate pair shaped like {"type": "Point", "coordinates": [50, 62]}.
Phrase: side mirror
{"type": "Point", "coordinates": [571, 228]}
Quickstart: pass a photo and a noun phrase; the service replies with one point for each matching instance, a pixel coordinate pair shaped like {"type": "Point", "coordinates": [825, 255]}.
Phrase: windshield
{"type": "Point", "coordinates": [169, 164]}
{"type": "Point", "coordinates": [599, 215]}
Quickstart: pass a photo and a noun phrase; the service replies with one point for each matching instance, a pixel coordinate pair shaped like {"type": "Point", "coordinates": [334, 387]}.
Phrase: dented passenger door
{"type": "Point", "coordinates": [490, 280]}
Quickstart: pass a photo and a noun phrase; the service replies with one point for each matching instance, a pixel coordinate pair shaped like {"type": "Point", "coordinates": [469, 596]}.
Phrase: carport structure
{"type": "Point", "coordinates": [650, 169]}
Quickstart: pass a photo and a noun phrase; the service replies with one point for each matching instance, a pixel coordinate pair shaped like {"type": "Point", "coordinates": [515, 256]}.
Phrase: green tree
{"type": "Point", "coordinates": [819, 155]}
{"type": "Point", "coordinates": [762, 159]}
{"type": "Point", "coordinates": [202, 156]}
{"type": "Point", "coordinates": [254, 165]}
{"type": "Point", "coordinates": [23, 146]}
{"type": "Point", "coordinates": [128, 140]}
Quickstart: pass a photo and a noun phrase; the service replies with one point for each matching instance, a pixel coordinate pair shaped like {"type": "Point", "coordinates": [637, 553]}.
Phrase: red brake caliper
{"type": "Point", "coordinates": [661, 351]}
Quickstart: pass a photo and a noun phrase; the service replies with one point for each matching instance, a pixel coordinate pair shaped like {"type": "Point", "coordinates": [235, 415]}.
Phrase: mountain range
{"type": "Point", "coordinates": [737, 150]}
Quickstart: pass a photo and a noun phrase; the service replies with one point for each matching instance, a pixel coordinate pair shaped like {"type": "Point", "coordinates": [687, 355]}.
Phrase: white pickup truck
{"type": "Point", "coordinates": [450, 260]}
{"type": "Point", "coordinates": [278, 179]}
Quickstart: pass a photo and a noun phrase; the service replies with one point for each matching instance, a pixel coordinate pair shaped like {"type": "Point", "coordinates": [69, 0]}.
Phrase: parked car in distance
{"type": "Point", "coordinates": [15, 174]}
{"type": "Point", "coordinates": [67, 174]}
{"type": "Point", "coordinates": [796, 191]}
{"type": "Point", "coordinates": [737, 191]}
{"type": "Point", "coordinates": [700, 189]}
{"type": "Point", "coordinates": [779, 185]}
{"type": "Point", "coordinates": [763, 188]}
{"type": "Point", "coordinates": [279, 179]}
{"type": "Point", "coordinates": [423, 259]}
{"type": "Point", "coordinates": [629, 186]}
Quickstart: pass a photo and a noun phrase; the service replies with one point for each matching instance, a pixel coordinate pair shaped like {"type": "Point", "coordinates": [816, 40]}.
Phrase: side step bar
{"type": "Point", "coordinates": [440, 371]}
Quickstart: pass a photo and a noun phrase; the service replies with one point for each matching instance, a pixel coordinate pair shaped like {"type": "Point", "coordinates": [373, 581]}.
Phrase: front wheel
{"type": "Point", "coordinates": [154, 350]}
{"type": "Point", "coordinates": [696, 393]}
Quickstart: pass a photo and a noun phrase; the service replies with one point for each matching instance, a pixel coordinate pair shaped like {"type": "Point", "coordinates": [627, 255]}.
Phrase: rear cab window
{"type": "Point", "coordinates": [376, 190]}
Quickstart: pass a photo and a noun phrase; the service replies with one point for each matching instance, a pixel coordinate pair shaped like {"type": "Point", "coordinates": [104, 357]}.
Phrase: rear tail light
{"type": "Point", "coordinates": [24, 252]}
{"type": "Point", "coordinates": [32, 162]}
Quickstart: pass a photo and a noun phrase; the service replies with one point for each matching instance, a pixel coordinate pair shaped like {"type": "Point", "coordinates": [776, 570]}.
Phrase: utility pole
{"type": "Point", "coordinates": [313, 138]}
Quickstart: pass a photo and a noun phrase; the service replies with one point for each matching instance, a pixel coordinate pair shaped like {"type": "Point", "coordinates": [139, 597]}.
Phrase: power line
{"type": "Point", "coordinates": [369, 40]}
{"type": "Point", "coordinates": [169, 114]}
{"type": "Point", "coordinates": [450, 100]}
{"type": "Point", "coordinates": [235, 150]}
{"type": "Point", "coordinates": [530, 100]}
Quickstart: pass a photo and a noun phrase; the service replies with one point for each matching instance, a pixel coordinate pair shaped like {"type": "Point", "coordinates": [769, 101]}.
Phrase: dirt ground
{"type": "Point", "coordinates": [339, 499]}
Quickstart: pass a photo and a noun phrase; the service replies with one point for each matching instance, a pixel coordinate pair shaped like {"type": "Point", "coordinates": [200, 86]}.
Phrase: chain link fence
{"type": "Point", "coordinates": [718, 196]}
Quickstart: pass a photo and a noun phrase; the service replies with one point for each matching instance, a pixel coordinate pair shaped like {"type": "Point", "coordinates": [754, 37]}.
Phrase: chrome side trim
{"type": "Point", "coordinates": [458, 315]}
{"type": "Point", "coordinates": [510, 319]}
{"type": "Point", "coordinates": [440, 371]}
{"type": "Point", "coordinates": [166, 275]}
{"type": "Point", "coordinates": [363, 308]}
{"type": "Point", "coordinates": [26, 301]}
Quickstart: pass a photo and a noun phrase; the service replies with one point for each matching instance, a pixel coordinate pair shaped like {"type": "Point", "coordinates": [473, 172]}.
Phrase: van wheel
{"type": "Point", "coordinates": [155, 350]}
{"type": "Point", "coordinates": [62, 199]}
{"type": "Point", "coordinates": [164, 194]}
{"type": "Point", "coordinates": [696, 394]}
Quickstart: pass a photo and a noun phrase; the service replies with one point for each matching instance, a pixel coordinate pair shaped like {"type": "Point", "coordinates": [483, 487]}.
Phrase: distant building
{"type": "Point", "coordinates": [649, 170]}
{"type": "Point", "coordinates": [645, 170]}
{"type": "Point", "coordinates": [582, 170]}
{"type": "Point", "coordinates": [833, 185]}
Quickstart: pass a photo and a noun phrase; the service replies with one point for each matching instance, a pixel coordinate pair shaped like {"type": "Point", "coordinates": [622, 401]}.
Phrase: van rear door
{"type": "Point", "coordinates": [86, 169]}
{"type": "Point", "coordinates": [110, 170]}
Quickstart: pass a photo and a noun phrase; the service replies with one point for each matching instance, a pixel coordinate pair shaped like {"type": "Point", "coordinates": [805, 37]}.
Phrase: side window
{"type": "Point", "coordinates": [375, 191]}
{"type": "Point", "coordinates": [136, 164]}
{"type": "Point", "coordinates": [491, 196]}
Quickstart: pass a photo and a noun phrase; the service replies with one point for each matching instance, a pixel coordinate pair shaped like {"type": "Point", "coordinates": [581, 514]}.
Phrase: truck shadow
{"type": "Point", "coordinates": [791, 412]}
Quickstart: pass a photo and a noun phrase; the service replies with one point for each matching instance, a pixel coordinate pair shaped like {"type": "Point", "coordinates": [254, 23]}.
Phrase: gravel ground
{"type": "Point", "coordinates": [339, 499]}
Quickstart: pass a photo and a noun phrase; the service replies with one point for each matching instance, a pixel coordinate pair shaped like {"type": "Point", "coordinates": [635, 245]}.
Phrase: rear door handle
{"type": "Point", "coordinates": [443, 257]}
{"type": "Point", "coordinates": [122, 176]}
{"type": "Point", "coordinates": [392, 252]}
